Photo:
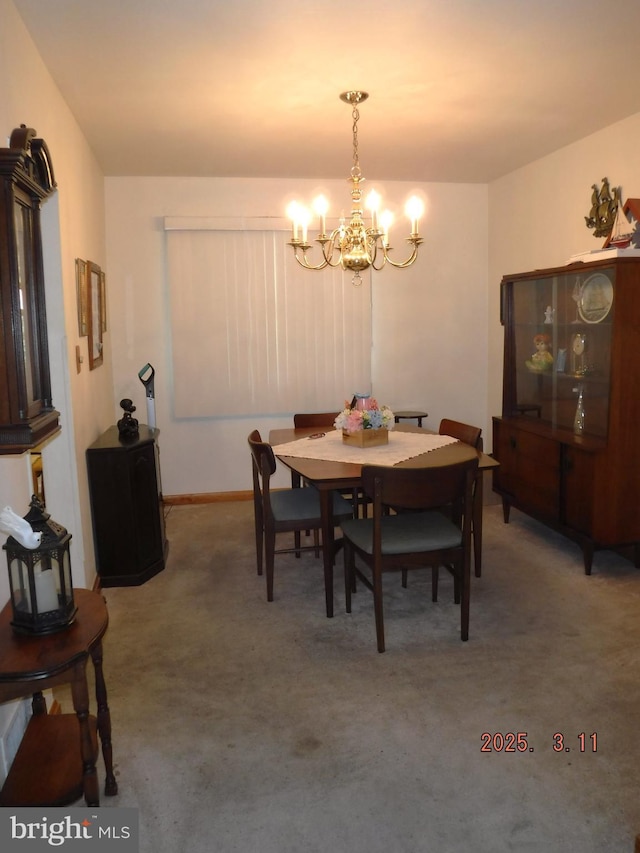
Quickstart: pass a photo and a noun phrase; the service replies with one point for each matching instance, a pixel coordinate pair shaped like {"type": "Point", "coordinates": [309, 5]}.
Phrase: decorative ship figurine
{"type": "Point", "coordinates": [623, 231]}
{"type": "Point", "coordinates": [604, 208]}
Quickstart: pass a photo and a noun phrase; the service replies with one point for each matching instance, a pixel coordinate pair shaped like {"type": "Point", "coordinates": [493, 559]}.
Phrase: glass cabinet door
{"type": "Point", "coordinates": [27, 336]}
{"type": "Point", "coordinates": [562, 327]}
{"type": "Point", "coordinates": [27, 415]}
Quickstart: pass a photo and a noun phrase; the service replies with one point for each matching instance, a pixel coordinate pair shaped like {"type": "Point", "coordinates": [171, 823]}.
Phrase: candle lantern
{"type": "Point", "coordinates": [40, 577]}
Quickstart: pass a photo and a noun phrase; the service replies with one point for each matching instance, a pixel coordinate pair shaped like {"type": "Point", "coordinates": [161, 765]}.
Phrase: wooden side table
{"type": "Point", "coordinates": [410, 415]}
{"type": "Point", "coordinates": [56, 762]}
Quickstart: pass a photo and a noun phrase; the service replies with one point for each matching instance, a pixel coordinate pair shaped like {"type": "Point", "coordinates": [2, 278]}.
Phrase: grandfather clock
{"type": "Point", "coordinates": [27, 416]}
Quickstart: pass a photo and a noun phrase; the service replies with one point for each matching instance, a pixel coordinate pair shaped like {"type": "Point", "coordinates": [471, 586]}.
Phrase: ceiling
{"type": "Point", "coordinates": [460, 90]}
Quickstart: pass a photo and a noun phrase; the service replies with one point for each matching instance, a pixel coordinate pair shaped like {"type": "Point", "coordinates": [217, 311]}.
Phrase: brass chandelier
{"type": "Point", "coordinates": [353, 246]}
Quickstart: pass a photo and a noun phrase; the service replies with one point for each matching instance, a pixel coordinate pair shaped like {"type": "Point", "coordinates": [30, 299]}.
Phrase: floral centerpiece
{"type": "Point", "coordinates": [364, 422]}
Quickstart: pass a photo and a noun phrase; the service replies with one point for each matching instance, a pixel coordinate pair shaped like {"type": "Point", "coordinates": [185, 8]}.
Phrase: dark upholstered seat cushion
{"type": "Point", "coordinates": [405, 533]}
{"type": "Point", "coordinates": [300, 504]}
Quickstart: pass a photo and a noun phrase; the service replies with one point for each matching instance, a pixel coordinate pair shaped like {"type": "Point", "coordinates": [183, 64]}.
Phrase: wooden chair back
{"type": "Point", "coordinates": [302, 420]}
{"type": "Point", "coordinates": [419, 488]}
{"type": "Point", "coordinates": [463, 432]}
{"type": "Point", "coordinates": [263, 466]}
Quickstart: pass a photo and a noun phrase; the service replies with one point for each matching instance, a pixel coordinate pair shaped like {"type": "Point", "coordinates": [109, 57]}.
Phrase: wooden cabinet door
{"type": "Point", "coordinates": [147, 532]}
{"type": "Point", "coordinates": [529, 473]}
{"type": "Point", "coordinates": [538, 474]}
{"type": "Point", "coordinates": [578, 484]}
{"type": "Point", "coordinates": [504, 450]}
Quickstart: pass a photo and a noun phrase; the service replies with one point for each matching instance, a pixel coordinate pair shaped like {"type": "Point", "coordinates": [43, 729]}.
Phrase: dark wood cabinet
{"type": "Point", "coordinates": [568, 441]}
{"type": "Point", "coordinates": [126, 506]}
{"type": "Point", "coordinates": [27, 415]}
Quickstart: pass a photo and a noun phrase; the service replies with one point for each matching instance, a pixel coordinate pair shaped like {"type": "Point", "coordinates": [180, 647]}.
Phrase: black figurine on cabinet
{"type": "Point", "coordinates": [128, 425]}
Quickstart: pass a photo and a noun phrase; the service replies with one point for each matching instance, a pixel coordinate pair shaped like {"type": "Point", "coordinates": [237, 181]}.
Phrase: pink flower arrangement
{"type": "Point", "coordinates": [370, 416]}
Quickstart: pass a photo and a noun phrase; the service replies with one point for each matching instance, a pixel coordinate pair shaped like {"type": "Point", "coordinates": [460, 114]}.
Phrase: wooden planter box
{"type": "Point", "coordinates": [366, 437]}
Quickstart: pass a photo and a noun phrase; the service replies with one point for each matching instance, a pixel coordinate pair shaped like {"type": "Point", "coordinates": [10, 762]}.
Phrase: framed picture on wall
{"type": "Point", "coordinates": [94, 294]}
{"type": "Point", "coordinates": [103, 300]}
{"type": "Point", "coordinates": [81, 296]}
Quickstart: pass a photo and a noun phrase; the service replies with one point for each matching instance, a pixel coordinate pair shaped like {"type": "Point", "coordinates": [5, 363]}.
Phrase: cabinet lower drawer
{"type": "Point", "coordinates": [529, 470]}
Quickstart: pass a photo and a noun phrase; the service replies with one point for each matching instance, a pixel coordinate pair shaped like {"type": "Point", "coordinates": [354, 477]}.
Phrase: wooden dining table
{"type": "Point", "coordinates": [328, 475]}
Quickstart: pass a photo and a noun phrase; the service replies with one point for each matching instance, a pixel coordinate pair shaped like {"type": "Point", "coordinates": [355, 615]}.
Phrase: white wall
{"type": "Point", "coordinates": [423, 352]}
{"type": "Point", "coordinates": [430, 322]}
{"type": "Point", "coordinates": [73, 226]}
{"type": "Point", "coordinates": [537, 216]}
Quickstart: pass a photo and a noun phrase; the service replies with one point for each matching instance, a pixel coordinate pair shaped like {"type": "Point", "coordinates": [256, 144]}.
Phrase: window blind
{"type": "Point", "coordinates": [253, 333]}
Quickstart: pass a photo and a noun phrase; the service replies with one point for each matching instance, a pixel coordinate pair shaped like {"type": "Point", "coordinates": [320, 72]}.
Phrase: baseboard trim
{"type": "Point", "coordinates": [207, 498]}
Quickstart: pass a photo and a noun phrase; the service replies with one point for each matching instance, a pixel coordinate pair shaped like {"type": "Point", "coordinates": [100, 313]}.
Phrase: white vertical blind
{"type": "Point", "coordinates": [253, 333]}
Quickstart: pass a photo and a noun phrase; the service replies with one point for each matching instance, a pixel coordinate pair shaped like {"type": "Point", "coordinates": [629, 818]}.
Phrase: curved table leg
{"type": "Point", "coordinates": [80, 695]}
{"type": "Point", "coordinates": [104, 721]}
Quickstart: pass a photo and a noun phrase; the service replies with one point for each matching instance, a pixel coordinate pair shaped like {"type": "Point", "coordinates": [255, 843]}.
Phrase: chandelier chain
{"type": "Point", "coordinates": [356, 160]}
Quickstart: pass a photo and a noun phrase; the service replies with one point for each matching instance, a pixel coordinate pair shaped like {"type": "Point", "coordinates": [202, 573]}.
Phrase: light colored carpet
{"type": "Point", "coordinates": [240, 725]}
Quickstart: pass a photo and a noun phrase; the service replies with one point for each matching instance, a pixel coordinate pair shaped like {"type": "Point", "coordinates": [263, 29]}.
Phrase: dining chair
{"type": "Point", "coordinates": [422, 537]}
{"type": "Point", "coordinates": [283, 510]}
{"type": "Point", "coordinates": [470, 435]}
{"type": "Point", "coordinates": [463, 432]}
{"type": "Point", "coordinates": [302, 420]}
{"type": "Point", "coordinates": [320, 420]}
{"type": "Point", "coordinates": [310, 420]}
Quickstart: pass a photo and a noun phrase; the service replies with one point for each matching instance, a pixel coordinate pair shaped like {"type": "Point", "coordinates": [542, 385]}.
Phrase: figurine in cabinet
{"type": "Point", "coordinates": [578, 346]}
{"type": "Point", "coordinates": [542, 359]}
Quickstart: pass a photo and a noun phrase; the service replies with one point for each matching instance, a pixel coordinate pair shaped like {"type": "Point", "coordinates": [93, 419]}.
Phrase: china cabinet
{"type": "Point", "coordinates": [568, 441]}
{"type": "Point", "coordinates": [27, 416]}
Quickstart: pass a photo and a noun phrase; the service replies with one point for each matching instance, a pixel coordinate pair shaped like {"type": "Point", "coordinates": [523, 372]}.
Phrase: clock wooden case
{"type": "Point", "coordinates": [27, 415]}
{"type": "Point", "coordinates": [568, 441]}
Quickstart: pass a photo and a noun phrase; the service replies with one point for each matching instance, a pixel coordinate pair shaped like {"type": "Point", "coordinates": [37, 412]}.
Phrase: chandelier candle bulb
{"type": "Point", "coordinates": [304, 217]}
{"type": "Point", "coordinates": [386, 220]}
{"type": "Point", "coordinates": [292, 213]}
{"type": "Point", "coordinates": [373, 203]}
{"type": "Point", "coordinates": [321, 206]}
{"type": "Point", "coordinates": [414, 211]}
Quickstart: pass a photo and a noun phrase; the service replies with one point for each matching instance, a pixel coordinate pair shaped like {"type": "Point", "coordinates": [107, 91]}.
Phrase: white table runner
{"type": "Point", "coordinates": [331, 448]}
